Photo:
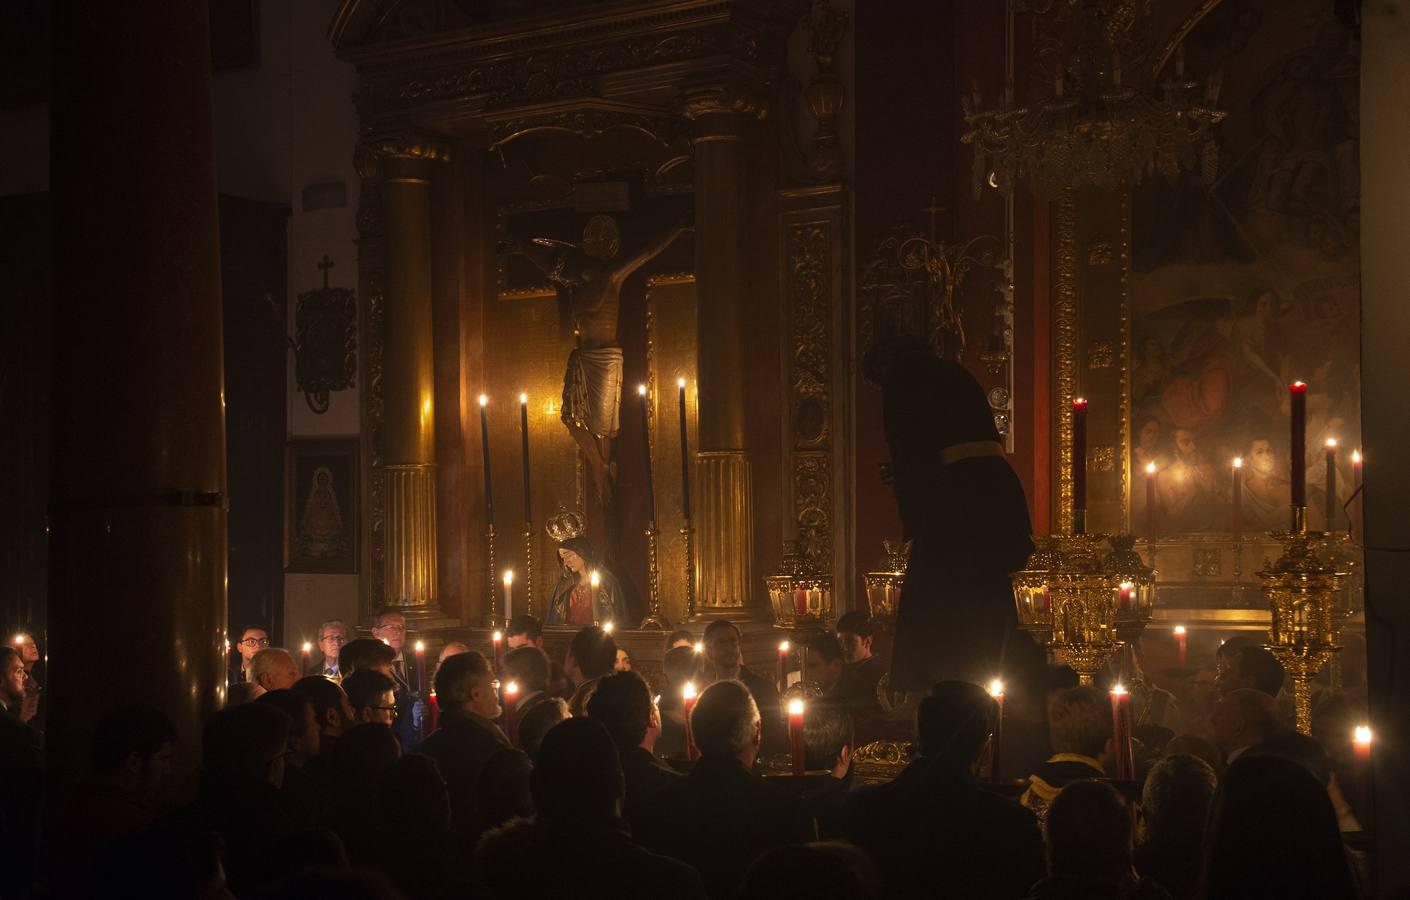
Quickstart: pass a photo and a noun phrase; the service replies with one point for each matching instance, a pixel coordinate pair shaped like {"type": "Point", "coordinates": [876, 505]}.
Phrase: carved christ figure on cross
{"type": "Point", "coordinates": [589, 296]}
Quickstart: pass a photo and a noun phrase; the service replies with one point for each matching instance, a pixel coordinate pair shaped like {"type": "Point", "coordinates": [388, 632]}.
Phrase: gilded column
{"type": "Point", "coordinates": [409, 460]}
{"type": "Point", "coordinates": [724, 564]}
{"type": "Point", "coordinates": [137, 518]}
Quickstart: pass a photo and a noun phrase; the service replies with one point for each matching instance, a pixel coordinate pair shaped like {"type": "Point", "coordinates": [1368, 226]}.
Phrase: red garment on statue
{"type": "Point", "coordinates": [580, 606]}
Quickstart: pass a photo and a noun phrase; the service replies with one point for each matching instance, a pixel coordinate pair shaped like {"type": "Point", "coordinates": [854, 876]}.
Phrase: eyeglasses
{"type": "Point", "coordinates": [255, 642]}
{"type": "Point", "coordinates": [386, 709]}
{"type": "Point", "coordinates": [392, 628]}
{"type": "Point", "coordinates": [333, 638]}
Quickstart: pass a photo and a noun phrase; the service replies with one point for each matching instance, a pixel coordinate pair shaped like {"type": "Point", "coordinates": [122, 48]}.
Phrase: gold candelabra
{"type": "Point", "coordinates": [655, 621]}
{"type": "Point", "coordinates": [1304, 593]}
{"type": "Point", "coordinates": [1080, 604]}
{"type": "Point", "coordinates": [492, 619]}
{"type": "Point", "coordinates": [528, 568]}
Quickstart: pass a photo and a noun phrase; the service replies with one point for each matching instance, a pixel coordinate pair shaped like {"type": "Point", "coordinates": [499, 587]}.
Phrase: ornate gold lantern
{"type": "Point", "coordinates": [1080, 604]}
{"type": "Point", "coordinates": [1304, 593]}
{"type": "Point", "coordinates": [884, 584]}
{"type": "Point", "coordinates": [801, 593]}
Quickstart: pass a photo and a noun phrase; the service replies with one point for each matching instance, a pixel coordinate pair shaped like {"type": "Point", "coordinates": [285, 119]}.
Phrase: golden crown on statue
{"type": "Point", "coordinates": [565, 525]}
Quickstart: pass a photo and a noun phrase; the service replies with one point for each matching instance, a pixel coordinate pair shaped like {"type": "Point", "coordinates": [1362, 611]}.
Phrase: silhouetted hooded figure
{"type": "Point", "coordinates": [964, 510]}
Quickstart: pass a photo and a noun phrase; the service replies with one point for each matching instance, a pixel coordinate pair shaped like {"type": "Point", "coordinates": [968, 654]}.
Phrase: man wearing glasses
{"type": "Point", "coordinates": [332, 635]}
{"type": "Point", "coordinates": [253, 639]}
{"type": "Point", "coordinates": [389, 626]}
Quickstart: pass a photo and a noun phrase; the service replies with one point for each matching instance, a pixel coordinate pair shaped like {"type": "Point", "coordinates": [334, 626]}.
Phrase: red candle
{"type": "Point", "coordinates": [421, 667]}
{"type": "Point", "coordinates": [435, 717]}
{"type": "Point", "coordinates": [1180, 647]}
{"type": "Point", "coordinates": [795, 735]}
{"type": "Point", "coordinates": [1361, 742]}
{"type": "Point", "coordinates": [303, 658]}
{"type": "Point", "coordinates": [1121, 733]}
{"type": "Point", "coordinates": [1123, 596]}
{"type": "Point", "coordinates": [1150, 501]}
{"type": "Point", "coordinates": [996, 690]}
{"type": "Point", "coordinates": [1331, 497]}
{"type": "Point", "coordinates": [688, 696]}
{"type": "Point", "coordinates": [1236, 519]}
{"type": "Point", "coordinates": [1298, 393]}
{"type": "Point", "coordinates": [511, 713]}
{"type": "Point", "coordinates": [783, 666]}
{"type": "Point", "coordinates": [497, 648]}
{"type": "Point", "coordinates": [800, 601]}
{"type": "Point", "coordinates": [1079, 465]}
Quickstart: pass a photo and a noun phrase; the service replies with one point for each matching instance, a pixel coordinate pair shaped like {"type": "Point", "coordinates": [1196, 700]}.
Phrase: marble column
{"type": "Point", "coordinates": [723, 487]}
{"type": "Point", "coordinates": [408, 378]}
{"type": "Point", "coordinates": [137, 525]}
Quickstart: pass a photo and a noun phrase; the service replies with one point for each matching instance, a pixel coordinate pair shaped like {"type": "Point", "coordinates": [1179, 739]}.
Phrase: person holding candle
{"type": "Point", "coordinates": [527, 631]}
{"type": "Point", "coordinates": [721, 816]}
{"type": "Point", "coordinates": [1080, 731]}
{"type": "Point", "coordinates": [623, 704]}
{"type": "Point", "coordinates": [963, 508]}
{"type": "Point", "coordinates": [389, 626]}
{"type": "Point", "coordinates": [529, 668]}
{"type": "Point", "coordinates": [467, 692]}
{"type": "Point", "coordinates": [723, 663]}
{"type": "Point", "coordinates": [574, 601]}
{"type": "Point", "coordinates": [935, 831]}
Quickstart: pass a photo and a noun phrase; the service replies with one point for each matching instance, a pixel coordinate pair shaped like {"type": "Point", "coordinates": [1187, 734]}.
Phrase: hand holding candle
{"type": "Point", "coordinates": [996, 690]}
{"type": "Point", "coordinates": [796, 747]}
{"type": "Point", "coordinates": [421, 668]}
{"type": "Point", "coordinates": [688, 698]}
{"type": "Point", "coordinates": [1121, 733]}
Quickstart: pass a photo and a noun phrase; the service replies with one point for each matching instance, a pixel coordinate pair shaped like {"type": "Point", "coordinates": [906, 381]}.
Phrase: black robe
{"type": "Point", "coordinates": [968, 521]}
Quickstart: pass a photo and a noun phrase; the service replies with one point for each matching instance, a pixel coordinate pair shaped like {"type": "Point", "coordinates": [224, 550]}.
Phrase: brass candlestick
{"type": "Point", "coordinates": [655, 621]}
{"type": "Point", "coordinates": [491, 619]}
{"type": "Point", "coordinates": [1303, 593]}
{"type": "Point", "coordinates": [529, 568]}
{"type": "Point", "coordinates": [688, 534]}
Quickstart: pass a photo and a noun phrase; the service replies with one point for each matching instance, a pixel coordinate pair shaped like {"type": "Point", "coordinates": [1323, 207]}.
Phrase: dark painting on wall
{"type": "Point", "coordinates": [1241, 288]}
{"type": "Point", "coordinates": [320, 522]}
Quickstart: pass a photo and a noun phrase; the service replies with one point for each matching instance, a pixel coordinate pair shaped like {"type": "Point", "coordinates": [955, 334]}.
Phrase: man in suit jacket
{"type": "Point", "coordinates": [934, 831]}
{"type": "Point", "coordinates": [389, 626]}
{"type": "Point", "coordinates": [332, 635]}
{"type": "Point", "coordinates": [721, 816]}
{"type": "Point", "coordinates": [622, 703]}
{"type": "Point", "coordinates": [723, 661]}
{"type": "Point", "coordinates": [466, 738]}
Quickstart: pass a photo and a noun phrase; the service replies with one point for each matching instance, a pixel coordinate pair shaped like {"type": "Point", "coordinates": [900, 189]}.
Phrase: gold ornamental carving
{"type": "Point", "coordinates": [411, 147]}
{"type": "Point", "coordinates": [602, 239]}
{"type": "Point", "coordinates": [1066, 334]}
{"type": "Point", "coordinates": [720, 99]}
{"type": "Point", "coordinates": [1103, 458]}
{"type": "Point", "coordinates": [810, 290]}
{"type": "Point", "coordinates": [1100, 355]}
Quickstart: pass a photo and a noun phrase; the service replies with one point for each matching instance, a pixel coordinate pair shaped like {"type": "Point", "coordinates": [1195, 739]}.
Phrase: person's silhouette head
{"type": "Point", "coordinates": [577, 776]}
{"type": "Point", "coordinates": [953, 724]}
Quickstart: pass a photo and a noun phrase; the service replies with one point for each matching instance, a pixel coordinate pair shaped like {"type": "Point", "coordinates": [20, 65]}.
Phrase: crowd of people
{"type": "Point", "coordinates": [368, 778]}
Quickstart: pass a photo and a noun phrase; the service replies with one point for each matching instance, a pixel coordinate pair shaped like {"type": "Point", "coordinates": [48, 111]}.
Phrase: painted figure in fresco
{"type": "Point", "coordinates": [574, 602]}
{"type": "Point", "coordinates": [589, 297]}
{"type": "Point", "coordinates": [1187, 488]}
{"type": "Point", "coordinates": [1266, 491]}
{"type": "Point", "coordinates": [321, 526]}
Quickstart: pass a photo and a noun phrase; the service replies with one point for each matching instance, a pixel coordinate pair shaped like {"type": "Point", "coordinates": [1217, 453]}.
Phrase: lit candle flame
{"type": "Point", "coordinates": [795, 707]}
{"type": "Point", "coordinates": [19, 640]}
{"type": "Point", "coordinates": [498, 636]}
{"type": "Point", "coordinates": [1362, 735]}
{"type": "Point", "coordinates": [783, 646]}
{"type": "Point", "coordinates": [1080, 401]}
{"type": "Point", "coordinates": [699, 646]}
{"type": "Point", "coordinates": [607, 627]}
{"type": "Point", "coordinates": [996, 688]}
{"type": "Point", "coordinates": [1180, 630]}
{"type": "Point", "coordinates": [1331, 443]}
{"type": "Point", "coordinates": [484, 400]}
{"type": "Point", "coordinates": [1238, 462]}
{"type": "Point", "coordinates": [1126, 585]}
{"type": "Point", "coordinates": [594, 579]}
{"type": "Point", "coordinates": [688, 692]}
{"type": "Point", "coordinates": [680, 382]}
{"type": "Point", "coordinates": [641, 389]}
{"type": "Point", "coordinates": [523, 399]}
{"type": "Point", "coordinates": [508, 577]}
{"type": "Point", "coordinates": [511, 688]}
{"type": "Point", "coordinates": [1118, 689]}
{"type": "Point", "coordinates": [307, 647]}
{"type": "Point", "coordinates": [1299, 384]}
{"type": "Point", "coordinates": [1150, 468]}
{"type": "Point", "coordinates": [1356, 456]}
{"type": "Point", "coordinates": [420, 646]}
